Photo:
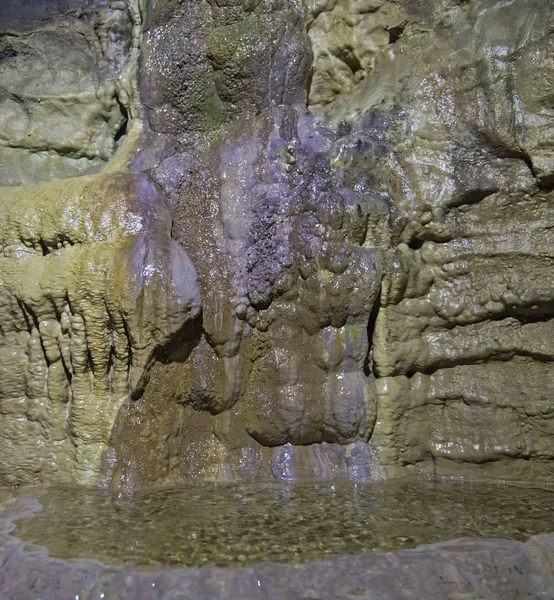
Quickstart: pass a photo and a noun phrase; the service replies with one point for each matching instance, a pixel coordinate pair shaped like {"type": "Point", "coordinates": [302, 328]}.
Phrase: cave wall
{"type": "Point", "coordinates": [462, 345]}
{"type": "Point", "coordinates": [364, 188]}
{"type": "Point", "coordinates": [91, 282]}
{"type": "Point", "coordinates": [426, 122]}
{"type": "Point", "coordinates": [61, 111]}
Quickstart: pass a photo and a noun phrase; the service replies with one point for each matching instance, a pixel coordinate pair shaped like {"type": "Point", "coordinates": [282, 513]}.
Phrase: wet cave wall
{"type": "Point", "coordinates": [256, 239]}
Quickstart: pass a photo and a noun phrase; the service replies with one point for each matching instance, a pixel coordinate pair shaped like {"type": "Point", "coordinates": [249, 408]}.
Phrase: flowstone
{"type": "Point", "coordinates": [462, 342]}
{"type": "Point", "coordinates": [365, 190]}
{"type": "Point", "coordinates": [91, 283]}
{"type": "Point", "coordinates": [280, 382]}
{"type": "Point", "coordinates": [63, 109]}
{"type": "Point", "coordinates": [410, 206]}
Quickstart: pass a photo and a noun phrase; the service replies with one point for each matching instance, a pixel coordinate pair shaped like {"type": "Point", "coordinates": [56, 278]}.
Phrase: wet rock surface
{"type": "Point", "coordinates": [62, 109]}
{"type": "Point", "coordinates": [273, 241]}
{"type": "Point", "coordinates": [462, 335]}
{"type": "Point", "coordinates": [465, 568]}
{"type": "Point", "coordinates": [237, 525]}
{"type": "Point", "coordinates": [382, 257]}
{"type": "Point", "coordinates": [92, 284]}
{"type": "Point", "coordinates": [288, 271]}
{"type": "Point", "coordinates": [364, 191]}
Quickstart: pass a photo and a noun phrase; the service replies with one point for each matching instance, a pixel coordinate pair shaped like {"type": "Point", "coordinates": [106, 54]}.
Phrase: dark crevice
{"type": "Point", "coordinates": [395, 33]}
{"type": "Point", "coordinates": [494, 357]}
{"type": "Point", "coordinates": [23, 309]}
{"type": "Point", "coordinates": [32, 316]}
{"type": "Point", "coordinates": [368, 364]}
{"type": "Point", "coordinates": [122, 131]}
{"type": "Point", "coordinates": [453, 364]}
{"type": "Point", "coordinates": [47, 248]}
{"type": "Point", "coordinates": [90, 362]}
{"type": "Point", "coordinates": [353, 63]}
{"type": "Point", "coordinates": [546, 315]}
{"type": "Point", "coordinates": [546, 184]}
{"type": "Point", "coordinates": [68, 304]}
{"type": "Point", "coordinates": [525, 315]}
{"type": "Point", "coordinates": [110, 369]}
{"type": "Point", "coordinates": [46, 359]}
{"type": "Point", "coordinates": [129, 346]}
{"type": "Point", "coordinates": [44, 247]}
{"type": "Point", "coordinates": [501, 151]}
{"type": "Point", "coordinates": [68, 373]}
{"type": "Point", "coordinates": [35, 324]}
{"type": "Point", "coordinates": [349, 59]}
{"type": "Point", "coordinates": [528, 162]}
{"type": "Point", "coordinates": [536, 356]}
{"type": "Point", "coordinates": [472, 197]}
{"type": "Point", "coordinates": [415, 244]}
{"type": "Point", "coordinates": [181, 343]}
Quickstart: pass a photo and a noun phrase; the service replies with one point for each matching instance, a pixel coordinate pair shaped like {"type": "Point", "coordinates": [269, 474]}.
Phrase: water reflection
{"type": "Point", "coordinates": [229, 525]}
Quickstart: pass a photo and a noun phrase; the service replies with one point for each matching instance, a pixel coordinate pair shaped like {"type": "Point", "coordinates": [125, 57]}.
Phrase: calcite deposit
{"type": "Point", "coordinates": [276, 239]}
{"type": "Point", "coordinates": [91, 282]}
{"type": "Point", "coordinates": [63, 107]}
{"type": "Point", "coordinates": [91, 285]}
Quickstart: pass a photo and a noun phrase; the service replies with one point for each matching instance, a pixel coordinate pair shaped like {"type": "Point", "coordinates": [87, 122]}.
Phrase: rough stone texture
{"type": "Point", "coordinates": [287, 263]}
{"type": "Point", "coordinates": [466, 568]}
{"type": "Point", "coordinates": [348, 38]}
{"type": "Point", "coordinates": [462, 345]}
{"type": "Point", "coordinates": [426, 176]}
{"type": "Point", "coordinates": [364, 188]}
{"type": "Point", "coordinates": [91, 285]}
{"type": "Point", "coordinates": [61, 109]}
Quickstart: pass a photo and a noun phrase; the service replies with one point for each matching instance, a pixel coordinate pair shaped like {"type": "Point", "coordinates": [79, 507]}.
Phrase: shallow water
{"type": "Point", "coordinates": [230, 525]}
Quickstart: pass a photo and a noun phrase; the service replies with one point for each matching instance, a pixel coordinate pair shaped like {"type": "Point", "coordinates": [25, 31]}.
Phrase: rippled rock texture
{"type": "Point", "coordinates": [462, 344]}
{"type": "Point", "coordinates": [364, 189]}
{"type": "Point", "coordinates": [91, 282]}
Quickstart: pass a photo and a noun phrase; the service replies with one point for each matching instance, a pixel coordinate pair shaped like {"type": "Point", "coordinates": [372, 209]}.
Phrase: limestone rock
{"type": "Point", "coordinates": [462, 343]}
{"type": "Point", "coordinates": [91, 284]}
{"type": "Point", "coordinates": [61, 109]}
{"type": "Point", "coordinates": [365, 189]}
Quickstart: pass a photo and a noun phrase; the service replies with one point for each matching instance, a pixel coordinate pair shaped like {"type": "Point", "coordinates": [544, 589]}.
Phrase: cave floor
{"type": "Point", "coordinates": [306, 541]}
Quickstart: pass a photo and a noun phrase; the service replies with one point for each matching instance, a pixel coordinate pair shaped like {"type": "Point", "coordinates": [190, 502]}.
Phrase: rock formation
{"type": "Point", "coordinates": [91, 281]}
{"type": "Point", "coordinates": [365, 190]}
